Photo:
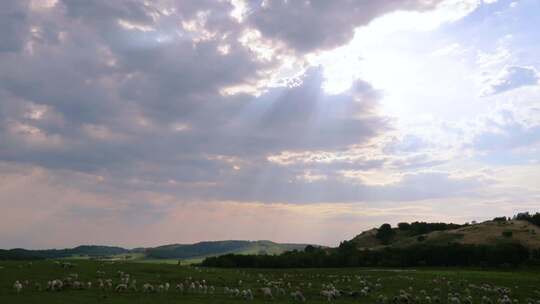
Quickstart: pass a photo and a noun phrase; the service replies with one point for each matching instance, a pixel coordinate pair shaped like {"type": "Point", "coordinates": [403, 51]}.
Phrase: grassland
{"type": "Point", "coordinates": [523, 284]}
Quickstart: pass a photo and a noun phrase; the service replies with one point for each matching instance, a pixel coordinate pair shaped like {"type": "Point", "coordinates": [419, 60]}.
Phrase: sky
{"type": "Point", "coordinates": [142, 123]}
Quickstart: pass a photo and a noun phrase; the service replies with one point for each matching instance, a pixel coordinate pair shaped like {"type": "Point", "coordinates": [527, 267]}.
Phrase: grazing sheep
{"type": "Point", "coordinates": [298, 296]}
{"type": "Point", "coordinates": [77, 285]}
{"type": "Point", "coordinates": [454, 300]}
{"type": "Point", "coordinates": [67, 265]}
{"type": "Point", "coordinates": [180, 287]}
{"type": "Point", "coordinates": [133, 285]}
{"type": "Point", "coordinates": [328, 294]}
{"type": "Point", "coordinates": [148, 288]}
{"type": "Point", "coordinates": [247, 294]}
{"type": "Point", "coordinates": [505, 300]}
{"type": "Point", "coordinates": [56, 285]}
{"type": "Point", "coordinates": [101, 284]}
{"type": "Point", "coordinates": [365, 291]}
{"type": "Point", "coordinates": [17, 286]}
{"type": "Point", "coordinates": [121, 287]}
{"type": "Point", "coordinates": [267, 292]}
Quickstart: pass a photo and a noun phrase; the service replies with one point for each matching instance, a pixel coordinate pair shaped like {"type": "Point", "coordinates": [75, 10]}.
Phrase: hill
{"type": "Point", "coordinates": [175, 251]}
{"type": "Point", "coordinates": [501, 242]}
{"type": "Point", "coordinates": [85, 250]}
{"type": "Point", "coordinates": [204, 249]}
{"type": "Point", "coordinates": [486, 233]}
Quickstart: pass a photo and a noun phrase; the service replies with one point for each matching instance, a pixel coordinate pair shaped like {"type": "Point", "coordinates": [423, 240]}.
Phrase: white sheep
{"type": "Point", "coordinates": [133, 285]}
{"type": "Point", "coordinates": [148, 287]}
{"type": "Point", "coordinates": [180, 287]}
{"type": "Point", "coordinates": [108, 284]}
{"type": "Point", "coordinates": [247, 294]}
{"type": "Point", "coordinates": [56, 285]}
{"type": "Point", "coordinates": [267, 292]}
{"type": "Point", "coordinates": [329, 295]}
{"type": "Point", "coordinates": [121, 287]}
{"type": "Point", "coordinates": [17, 286]}
{"type": "Point", "coordinates": [298, 296]}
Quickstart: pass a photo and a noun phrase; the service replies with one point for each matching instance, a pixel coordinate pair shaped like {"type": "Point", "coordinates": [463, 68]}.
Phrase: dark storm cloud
{"type": "Point", "coordinates": [127, 91]}
{"type": "Point", "coordinates": [13, 25]}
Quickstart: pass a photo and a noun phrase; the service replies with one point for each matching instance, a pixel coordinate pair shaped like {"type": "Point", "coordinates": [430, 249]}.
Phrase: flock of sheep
{"type": "Point", "coordinates": [284, 285]}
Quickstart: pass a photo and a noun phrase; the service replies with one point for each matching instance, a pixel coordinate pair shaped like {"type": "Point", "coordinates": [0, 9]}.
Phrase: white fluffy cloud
{"type": "Point", "coordinates": [512, 77]}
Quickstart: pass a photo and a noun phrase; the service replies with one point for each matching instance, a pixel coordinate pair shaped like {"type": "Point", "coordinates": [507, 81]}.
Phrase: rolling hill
{"type": "Point", "coordinates": [175, 251]}
{"type": "Point", "coordinates": [485, 233]}
{"type": "Point", "coordinates": [204, 249]}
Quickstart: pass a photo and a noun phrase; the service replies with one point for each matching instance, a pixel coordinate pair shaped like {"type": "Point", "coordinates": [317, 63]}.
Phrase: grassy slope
{"type": "Point", "coordinates": [483, 233]}
{"type": "Point", "coordinates": [242, 247]}
{"type": "Point", "coordinates": [524, 284]}
{"type": "Point", "coordinates": [205, 249]}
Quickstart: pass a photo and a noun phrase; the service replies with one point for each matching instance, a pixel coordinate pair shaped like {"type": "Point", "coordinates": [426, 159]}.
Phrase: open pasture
{"type": "Point", "coordinates": [106, 282]}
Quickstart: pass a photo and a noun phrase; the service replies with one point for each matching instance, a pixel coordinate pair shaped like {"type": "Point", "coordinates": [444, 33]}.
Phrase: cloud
{"type": "Point", "coordinates": [14, 26]}
{"type": "Point", "coordinates": [307, 26]}
{"type": "Point", "coordinates": [137, 100]}
{"type": "Point", "coordinates": [153, 218]}
{"type": "Point", "coordinates": [116, 113]}
{"type": "Point", "coordinates": [511, 78]}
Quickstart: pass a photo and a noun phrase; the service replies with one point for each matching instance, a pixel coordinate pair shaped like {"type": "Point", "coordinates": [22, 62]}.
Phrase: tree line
{"type": "Point", "coordinates": [347, 255]}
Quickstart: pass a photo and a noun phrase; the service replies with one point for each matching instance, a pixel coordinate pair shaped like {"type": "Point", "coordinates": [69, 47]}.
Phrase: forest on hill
{"type": "Point", "coordinates": [415, 244]}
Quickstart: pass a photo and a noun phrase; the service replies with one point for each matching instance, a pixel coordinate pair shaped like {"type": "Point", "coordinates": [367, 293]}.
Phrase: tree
{"type": "Point", "coordinates": [404, 226]}
{"type": "Point", "coordinates": [310, 249]}
{"type": "Point", "coordinates": [385, 233]}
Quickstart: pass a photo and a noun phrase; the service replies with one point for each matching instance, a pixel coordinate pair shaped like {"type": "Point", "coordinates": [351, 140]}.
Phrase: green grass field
{"type": "Point", "coordinates": [524, 285]}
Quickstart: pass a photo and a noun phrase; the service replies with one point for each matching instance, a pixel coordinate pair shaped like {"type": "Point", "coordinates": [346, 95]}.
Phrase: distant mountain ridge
{"type": "Point", "coordinates": [84, 250]}
{"type": "Point", "coordinates": [171, 251]}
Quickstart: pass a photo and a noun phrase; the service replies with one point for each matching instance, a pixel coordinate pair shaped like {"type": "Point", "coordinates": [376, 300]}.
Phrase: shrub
{"type": "Point", "coordinates": [404, 226]}
{"type": "Point", "coordinates": [507, 233]}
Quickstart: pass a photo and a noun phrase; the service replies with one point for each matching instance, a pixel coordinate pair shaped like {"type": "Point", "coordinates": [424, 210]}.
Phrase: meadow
{"type": "Point", "coordinates": [212, 285]}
